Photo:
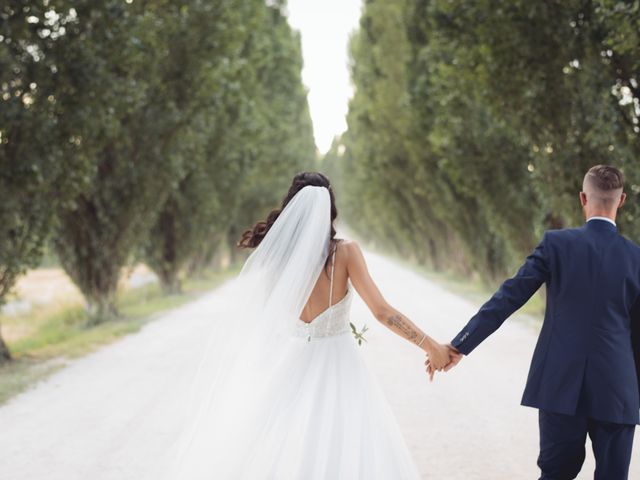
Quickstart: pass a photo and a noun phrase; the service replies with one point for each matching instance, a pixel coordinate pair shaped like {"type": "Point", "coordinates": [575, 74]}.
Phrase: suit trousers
{"type": "Point", "coordinates": [562, 446]}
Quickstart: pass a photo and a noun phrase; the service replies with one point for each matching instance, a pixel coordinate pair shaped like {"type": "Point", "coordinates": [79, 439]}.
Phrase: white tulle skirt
{"type": "Point", "coordinates": [317, 414]}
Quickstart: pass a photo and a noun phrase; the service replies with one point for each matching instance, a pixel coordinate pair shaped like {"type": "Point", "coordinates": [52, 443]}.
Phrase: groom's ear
{"type": "Point", "coordinates": [623, 197]}
{"type": "Point", "coordinates": [583, 199]}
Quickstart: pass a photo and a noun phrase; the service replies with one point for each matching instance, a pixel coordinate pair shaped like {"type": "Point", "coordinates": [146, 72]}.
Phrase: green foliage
{"type": "Point", "coordinates": [122, 64]}
{"type": "Point", "coordinates": [194, 208]}
{"type": "Point", "coordinates": [358, 335]}
{"type": "Point", "coordinates": [140, 129]}
{"type": "Point", "coordinates": [256, 139]}
{"type": "Point", "coordinates": [38, 168]}
{"type": "Point", "coordinates": [280, 130]}
{"type": "Point", "coordinates": [473, 122]}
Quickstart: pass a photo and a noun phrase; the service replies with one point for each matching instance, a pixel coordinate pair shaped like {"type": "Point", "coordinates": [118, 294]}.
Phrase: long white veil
{"type": "Point", "coordinates": [251, 334]}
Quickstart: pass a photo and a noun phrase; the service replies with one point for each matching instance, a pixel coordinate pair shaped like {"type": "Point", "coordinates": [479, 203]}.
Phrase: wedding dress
{"type": "Point", "coordinates": [300, 404]}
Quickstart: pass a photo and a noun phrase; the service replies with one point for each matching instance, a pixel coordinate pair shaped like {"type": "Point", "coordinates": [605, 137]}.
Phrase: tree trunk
{"type": "Point", "coordinates": [5, 354]}
{"type": "Point", "coordinates": [102, 307]}
{"type": "Point", "coordinates": [170, 282]}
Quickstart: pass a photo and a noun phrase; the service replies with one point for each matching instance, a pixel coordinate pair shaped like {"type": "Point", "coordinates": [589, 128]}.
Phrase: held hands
{"type": "Point", "coordinates": [437, 354]}
{"type": "Point", "coordinates": [441, 358]}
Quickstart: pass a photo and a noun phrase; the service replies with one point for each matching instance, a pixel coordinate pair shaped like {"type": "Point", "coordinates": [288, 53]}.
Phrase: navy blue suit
{"type": "Point", "coordinates": [586, 363]}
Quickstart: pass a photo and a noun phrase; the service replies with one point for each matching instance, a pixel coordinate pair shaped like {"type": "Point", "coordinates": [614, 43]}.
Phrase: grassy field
{"type": "Point", "coordinates": [43, 339]}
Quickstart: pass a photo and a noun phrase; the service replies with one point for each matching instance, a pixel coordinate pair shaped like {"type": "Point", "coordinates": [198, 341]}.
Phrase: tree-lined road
{"type": "Point", "coordinates": [115, 414]}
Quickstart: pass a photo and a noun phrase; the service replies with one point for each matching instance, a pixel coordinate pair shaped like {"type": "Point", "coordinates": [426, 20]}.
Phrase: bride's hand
{"type": "Point", "coordinates": [439, 355]}
{"type": "Point", "coordinates": [454, 358]}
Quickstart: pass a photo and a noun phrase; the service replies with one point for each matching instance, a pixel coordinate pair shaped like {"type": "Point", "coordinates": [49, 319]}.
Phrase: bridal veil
{"type": "Point", "coordinates": [250, 334]}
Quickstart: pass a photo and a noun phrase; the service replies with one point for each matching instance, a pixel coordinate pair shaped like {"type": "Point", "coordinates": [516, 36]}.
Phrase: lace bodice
{"type": "Point", "coordinates": [333, 321]}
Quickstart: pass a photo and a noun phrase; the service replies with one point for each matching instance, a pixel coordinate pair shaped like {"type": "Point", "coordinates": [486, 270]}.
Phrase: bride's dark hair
{"type": "Point", "coordinates": [252, 237]}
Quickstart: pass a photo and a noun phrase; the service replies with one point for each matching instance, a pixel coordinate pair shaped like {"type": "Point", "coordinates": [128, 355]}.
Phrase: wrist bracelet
{"type": "Point", "coordinates": [423, 337]}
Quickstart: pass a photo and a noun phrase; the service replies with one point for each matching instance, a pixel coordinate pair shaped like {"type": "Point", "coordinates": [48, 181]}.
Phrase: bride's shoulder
{"type": "Point", "coordinates": [344, 243]}
{"type": "Point", "coordinates": [351, 254]}
{"type": "Point", "coordinates": [347, 246]}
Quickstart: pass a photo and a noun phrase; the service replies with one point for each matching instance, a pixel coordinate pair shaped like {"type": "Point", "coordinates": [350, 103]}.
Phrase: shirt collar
{"type": "Point", "coordinates": [606, 219]}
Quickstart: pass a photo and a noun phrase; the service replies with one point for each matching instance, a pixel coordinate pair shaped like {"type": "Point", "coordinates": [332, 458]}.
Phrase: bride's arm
{"type": "Point", "coordinates": [385, 313]}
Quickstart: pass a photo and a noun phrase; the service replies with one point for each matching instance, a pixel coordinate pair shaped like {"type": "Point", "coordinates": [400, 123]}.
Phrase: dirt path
{"type": "Point", "coordinates": [114, 414]}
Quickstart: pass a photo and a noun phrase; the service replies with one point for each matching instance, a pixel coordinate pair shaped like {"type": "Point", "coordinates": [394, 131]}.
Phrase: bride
{"type": "Point", "coordinates": [282, 392]}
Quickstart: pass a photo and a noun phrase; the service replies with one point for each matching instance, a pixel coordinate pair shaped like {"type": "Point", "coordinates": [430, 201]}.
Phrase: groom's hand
{"type": "Point", "coordinates": [437, 353]}
{"type": "Point", "coordinates": [454, 358]}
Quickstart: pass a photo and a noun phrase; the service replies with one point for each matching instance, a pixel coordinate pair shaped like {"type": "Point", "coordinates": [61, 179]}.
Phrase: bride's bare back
{"type": "Point", "coordinates": [319, 299]}
{"type": "Point", "coordinates": [351, 265]}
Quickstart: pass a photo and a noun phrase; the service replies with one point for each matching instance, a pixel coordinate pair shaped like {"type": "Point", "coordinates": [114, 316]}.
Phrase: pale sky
{"type": "Point", "coordinates": [325, 26]}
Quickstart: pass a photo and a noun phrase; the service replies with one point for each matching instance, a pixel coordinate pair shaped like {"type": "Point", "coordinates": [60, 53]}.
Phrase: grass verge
{"type": "Point", "coordinates": [50, 335]}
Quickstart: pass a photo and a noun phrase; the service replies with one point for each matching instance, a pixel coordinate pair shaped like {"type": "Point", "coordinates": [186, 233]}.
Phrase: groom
{"type": "Point", "coordinates": [584, 376]}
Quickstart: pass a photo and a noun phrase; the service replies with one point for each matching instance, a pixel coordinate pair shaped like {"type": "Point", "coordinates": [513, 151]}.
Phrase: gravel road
{"type": "Point", "coordinates": [114, 414]}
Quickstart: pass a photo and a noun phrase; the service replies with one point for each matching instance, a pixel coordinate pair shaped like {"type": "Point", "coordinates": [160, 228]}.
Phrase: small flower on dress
{"type": "Point", "coordinates": [359, 336]}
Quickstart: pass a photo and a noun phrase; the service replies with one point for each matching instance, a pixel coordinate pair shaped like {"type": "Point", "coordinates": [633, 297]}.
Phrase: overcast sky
{"type": "Point", "coordinates": [325, 26]}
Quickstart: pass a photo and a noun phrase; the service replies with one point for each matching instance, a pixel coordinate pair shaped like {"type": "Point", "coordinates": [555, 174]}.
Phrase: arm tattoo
{"type": "Point", "coordinates": [403, 325]}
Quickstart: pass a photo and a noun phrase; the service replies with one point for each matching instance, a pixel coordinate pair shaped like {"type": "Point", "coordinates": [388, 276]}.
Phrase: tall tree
{"type": "Point", "coordinates": [133, 64]}
{"type": "Point", "coordinates": [252, 144]}
{"type": "Point", "coordinates": [472, 123]}
{"type": "Point", "coordinates": [557, 74]}
{"type": "Point", "coordinates": [280, 128]}
{"type": "Point", "coordinates": [195, 206]}
{"type": "Point", "coordinates": [40, 168]}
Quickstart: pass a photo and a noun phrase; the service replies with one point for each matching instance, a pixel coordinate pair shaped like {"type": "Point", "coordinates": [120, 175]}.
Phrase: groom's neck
{"type": "Point", "coordinates": [600, 213]}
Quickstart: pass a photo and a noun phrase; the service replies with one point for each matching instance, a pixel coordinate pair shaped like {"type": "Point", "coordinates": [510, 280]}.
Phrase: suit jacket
{"type": "Point", "coordinates": [587, 359]}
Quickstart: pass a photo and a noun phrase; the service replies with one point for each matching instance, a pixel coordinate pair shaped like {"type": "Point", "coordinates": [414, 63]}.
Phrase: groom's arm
{"type": "Point", "coordinates": [512, 295]}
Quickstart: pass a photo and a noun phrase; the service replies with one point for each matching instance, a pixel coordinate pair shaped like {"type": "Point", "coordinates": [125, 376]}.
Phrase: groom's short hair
{"type": "Point", "coordinates": [603, 184]}
{"type": "Point", "coordinates": [604, 178]}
